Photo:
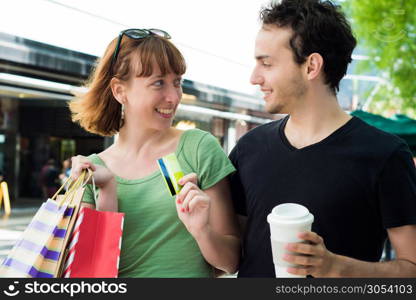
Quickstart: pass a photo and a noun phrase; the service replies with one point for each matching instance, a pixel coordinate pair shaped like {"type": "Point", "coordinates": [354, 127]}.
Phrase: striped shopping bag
{"type": "Point", "coordinates": [62, 243]}
{"type": "Point", "coordinates": [94, 250]}
{"type": "Point", "coordinates": [54, 258]}
{"type": "Point", "coordinates": [38, 251]}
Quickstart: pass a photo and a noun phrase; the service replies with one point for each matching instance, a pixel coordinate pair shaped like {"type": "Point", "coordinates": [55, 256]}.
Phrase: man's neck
{"type": "Point", "coordinates": [316, 118]}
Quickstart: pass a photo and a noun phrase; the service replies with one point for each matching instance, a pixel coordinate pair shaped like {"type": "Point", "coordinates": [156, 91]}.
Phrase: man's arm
{"type": "Point", "coordinates": [242, 221]}
{"type": "Point", "coordinates": [320, 262]}
{"type": "Point", "coordinates": [402, 239]}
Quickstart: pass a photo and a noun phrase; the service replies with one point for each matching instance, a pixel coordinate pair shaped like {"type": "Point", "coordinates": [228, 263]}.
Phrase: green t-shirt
{"type": "Point", "coordinates": [155, 242]}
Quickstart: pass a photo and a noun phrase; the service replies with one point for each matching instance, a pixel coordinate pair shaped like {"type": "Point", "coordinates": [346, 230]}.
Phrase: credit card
{"type": "Point", "coordinates": [171, 172]}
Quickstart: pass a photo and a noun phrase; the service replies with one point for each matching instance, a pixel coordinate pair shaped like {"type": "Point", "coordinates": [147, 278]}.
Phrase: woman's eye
{"type": "Point", "coordinates": [179, 82]}
{"type": "Point", "coordinates": [158, 83]}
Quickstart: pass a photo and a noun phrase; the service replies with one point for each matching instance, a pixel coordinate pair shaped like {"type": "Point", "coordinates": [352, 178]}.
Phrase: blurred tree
{"type": "Point", "coordinates": [387, 30]}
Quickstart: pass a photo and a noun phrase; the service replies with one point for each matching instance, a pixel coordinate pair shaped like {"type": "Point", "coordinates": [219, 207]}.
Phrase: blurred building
{"type": "Point", "coordinates": [37, 81]}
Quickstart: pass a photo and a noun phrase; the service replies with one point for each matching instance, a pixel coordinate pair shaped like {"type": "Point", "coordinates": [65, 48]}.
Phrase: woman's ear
{"type": "Point", "coordinates": [118, 90]}
{"type": "Point", "coordinates": [314, 66]}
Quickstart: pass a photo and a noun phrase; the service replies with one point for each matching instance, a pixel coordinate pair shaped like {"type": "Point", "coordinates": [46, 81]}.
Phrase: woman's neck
{"type": "Point", "coordinates": [135, 143]}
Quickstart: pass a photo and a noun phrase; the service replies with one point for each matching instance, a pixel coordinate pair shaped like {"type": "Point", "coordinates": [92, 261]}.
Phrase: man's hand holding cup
{"type": "Point", "coordinates": [310, 256]}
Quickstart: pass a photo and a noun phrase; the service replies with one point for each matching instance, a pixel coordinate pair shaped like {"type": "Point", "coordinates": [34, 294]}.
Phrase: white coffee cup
{"type": "Point", "coordinates": [286, 222]}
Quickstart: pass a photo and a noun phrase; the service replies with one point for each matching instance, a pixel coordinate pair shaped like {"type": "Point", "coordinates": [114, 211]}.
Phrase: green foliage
{"type": "Point", "coordinates": [387, 30]}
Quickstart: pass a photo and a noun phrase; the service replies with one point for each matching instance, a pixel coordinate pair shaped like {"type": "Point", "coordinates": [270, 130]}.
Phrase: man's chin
{"type": "Point", "coordinates": [276, 110]}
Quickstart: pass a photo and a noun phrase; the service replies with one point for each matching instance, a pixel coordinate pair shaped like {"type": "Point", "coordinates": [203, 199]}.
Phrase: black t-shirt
{"type": "Point", "coordinates": [357, 182]}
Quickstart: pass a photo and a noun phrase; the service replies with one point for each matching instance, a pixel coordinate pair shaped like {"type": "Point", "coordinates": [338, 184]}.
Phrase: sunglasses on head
{"type": "Point", "coordinates": [136, 34]}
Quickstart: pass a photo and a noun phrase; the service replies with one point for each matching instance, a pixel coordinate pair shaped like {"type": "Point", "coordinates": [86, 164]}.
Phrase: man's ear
{"type": "Point", "coordinates": [118, 90]}
{"type": "Point", "coordinates": [314, 66]}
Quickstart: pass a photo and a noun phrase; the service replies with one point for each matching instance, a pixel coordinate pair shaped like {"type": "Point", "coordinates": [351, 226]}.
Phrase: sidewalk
{"type": "Point", "coordinates": [13, 225]}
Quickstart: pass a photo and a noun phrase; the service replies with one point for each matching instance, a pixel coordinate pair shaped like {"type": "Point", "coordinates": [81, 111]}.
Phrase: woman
{"type": "Point", "coordinates": [135, 91]}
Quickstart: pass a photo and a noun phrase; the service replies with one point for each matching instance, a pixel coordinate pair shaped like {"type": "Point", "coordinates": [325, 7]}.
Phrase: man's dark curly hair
{"type": "Point", "coordinates": [318, 27]}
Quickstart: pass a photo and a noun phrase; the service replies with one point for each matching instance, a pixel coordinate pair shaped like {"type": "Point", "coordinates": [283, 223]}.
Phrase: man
{"type": "Point", "coordinates": [358, 182]}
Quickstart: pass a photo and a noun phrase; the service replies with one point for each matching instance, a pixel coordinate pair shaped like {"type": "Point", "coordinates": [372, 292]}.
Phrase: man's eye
{"type": "Point", "coordinates": [265, 64]}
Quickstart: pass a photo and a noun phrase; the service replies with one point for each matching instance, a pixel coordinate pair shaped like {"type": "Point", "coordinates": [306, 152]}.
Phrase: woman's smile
{"type": "Point", "coordinates": [165, 112]}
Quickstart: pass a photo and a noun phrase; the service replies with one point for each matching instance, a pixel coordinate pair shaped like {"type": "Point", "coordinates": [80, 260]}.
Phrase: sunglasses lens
{"type": "Point", "coordinates": [136, 33]}
{"type": "Point", "coordinates": [160, 33]}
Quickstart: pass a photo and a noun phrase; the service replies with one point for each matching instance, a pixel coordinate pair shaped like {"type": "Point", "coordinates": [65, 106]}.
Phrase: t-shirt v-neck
{"type": "Point", "coordinates": [337, 133]}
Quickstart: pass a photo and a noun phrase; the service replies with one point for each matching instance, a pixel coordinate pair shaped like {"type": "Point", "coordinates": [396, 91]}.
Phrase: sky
{"type": "Point", "coordinates": [215, 36]}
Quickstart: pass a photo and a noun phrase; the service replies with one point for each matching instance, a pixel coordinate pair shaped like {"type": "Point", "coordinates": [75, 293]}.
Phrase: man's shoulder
{"type": "Point", "coordinates": [260, 132]}
{"type": "Point", "coordinates": [373, 137]}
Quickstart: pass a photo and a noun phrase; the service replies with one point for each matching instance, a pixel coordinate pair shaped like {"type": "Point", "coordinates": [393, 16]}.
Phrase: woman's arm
{"type": "Point", "coordinates": [103, 178]}
{"type": "Point", "coordinates": [209, 217]}
{"type": "Point", "coordinates": [87, 205]}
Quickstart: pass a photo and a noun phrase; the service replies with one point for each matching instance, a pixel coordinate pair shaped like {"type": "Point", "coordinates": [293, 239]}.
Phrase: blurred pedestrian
{"type": "Point", "coordinates": [49, 178]}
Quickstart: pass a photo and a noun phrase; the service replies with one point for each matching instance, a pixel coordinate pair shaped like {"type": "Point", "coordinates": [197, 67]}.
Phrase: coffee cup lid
{"type": "Point", "coordinates": [288, 213]}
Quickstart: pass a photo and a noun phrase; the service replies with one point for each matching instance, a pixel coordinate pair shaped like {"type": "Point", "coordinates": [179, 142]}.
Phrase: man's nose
{"type": "Point", "coordinates": [256, 78]}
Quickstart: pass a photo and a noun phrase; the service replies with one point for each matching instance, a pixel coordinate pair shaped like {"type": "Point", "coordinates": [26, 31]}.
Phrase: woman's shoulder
{"type": "Point", "coordinates": [95, 159]}
{"type": "Point", "coordinates": [193, 141]}
{"type": "Point", "coordinates": [196, 135]}
{"type": "Point", "coordinates": [106, 156]}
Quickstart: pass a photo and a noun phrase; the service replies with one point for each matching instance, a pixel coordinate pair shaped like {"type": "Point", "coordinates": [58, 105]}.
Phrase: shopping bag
{"type": "Point", "coordinates": [76, 203]}
{"type": "Point", "coordinates": [94, 250]}
{"type": "Point", "coordinates": [38, 250]}
{"type": "Point", "coordinates": [60, 240]}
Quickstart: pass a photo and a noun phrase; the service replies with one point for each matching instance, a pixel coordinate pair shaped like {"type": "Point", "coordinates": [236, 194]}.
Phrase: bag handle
{"type": "Point", "coordinates": [68, 181]}
{"type": "Point", "coordinates": [74, 185]}
{"type": "Point", "coordinates": [90, 173]}
{"type": "Point", "coordinates": [81, 182]}
{"type": "Point", "coordinates": [72, 188]}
